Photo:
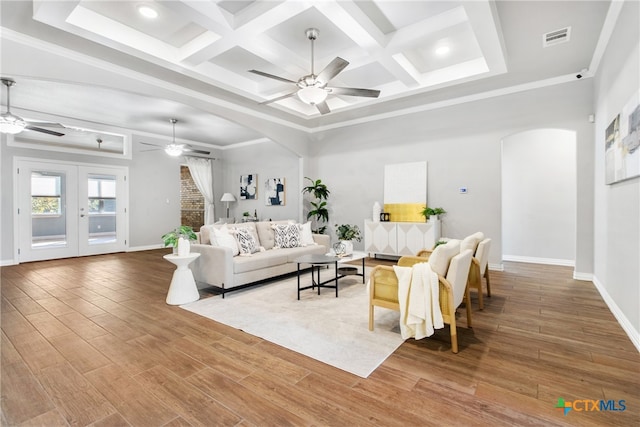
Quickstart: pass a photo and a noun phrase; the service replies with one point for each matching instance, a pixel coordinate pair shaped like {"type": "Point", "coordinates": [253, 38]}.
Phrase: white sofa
{"type": "Point", "coordinates": [218, 267]}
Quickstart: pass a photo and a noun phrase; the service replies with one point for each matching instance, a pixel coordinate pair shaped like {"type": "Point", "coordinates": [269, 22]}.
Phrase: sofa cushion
{"type": "Point", "coordinates": [286, 235]}
{"type": "Point", "coordinates": [266, 233]}
{"type": "Point", "coordinates": [258, 261]}
{"type": "Point", "coordinates": [441, 256]}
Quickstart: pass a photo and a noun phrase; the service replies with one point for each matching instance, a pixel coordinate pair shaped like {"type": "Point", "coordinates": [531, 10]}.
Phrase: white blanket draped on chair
{"type": "Point", "coordinates": [419, 298]}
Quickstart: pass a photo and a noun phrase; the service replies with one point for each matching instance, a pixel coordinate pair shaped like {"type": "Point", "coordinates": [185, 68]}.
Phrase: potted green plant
{"type": "Point", "coordinates": [319, 211]}
{"type": "Point", "coordinates": [173, 237]}
{"type": "Point", "coordinates": [432, 213]}
{"type": "Point", "coordinates": [346, 233]}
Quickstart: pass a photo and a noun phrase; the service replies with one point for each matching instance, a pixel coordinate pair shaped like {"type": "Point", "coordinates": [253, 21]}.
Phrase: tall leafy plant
{"type": "Point", "coordinates": [318, 212]}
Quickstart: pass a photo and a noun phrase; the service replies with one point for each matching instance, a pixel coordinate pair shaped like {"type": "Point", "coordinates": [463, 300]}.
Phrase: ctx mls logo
{"type": "Point", "coordinates": [586, 405]}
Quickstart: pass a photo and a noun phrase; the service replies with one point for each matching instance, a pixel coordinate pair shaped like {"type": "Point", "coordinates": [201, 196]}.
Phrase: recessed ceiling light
{"type": "Point", "coordinates": [442, 50]}
{"type": "Point", "coordinates": [147, 11]}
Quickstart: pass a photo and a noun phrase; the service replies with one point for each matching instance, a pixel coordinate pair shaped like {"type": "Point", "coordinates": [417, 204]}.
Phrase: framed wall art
{"type": "Point", "coordinates": [622, 143]}
{"type": "Point", "coordinates": [274, 192]}
{"type": "Point", "coordinates": [248, 187]}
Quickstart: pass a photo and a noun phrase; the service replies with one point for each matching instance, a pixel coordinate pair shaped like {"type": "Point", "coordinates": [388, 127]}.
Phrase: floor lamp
{"type": "Point", "coordinates": [228, 197]}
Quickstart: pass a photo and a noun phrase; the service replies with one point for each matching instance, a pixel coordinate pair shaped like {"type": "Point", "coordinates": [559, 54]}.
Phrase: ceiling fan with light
{"type": "Point", "coordinates": [313, 89]}
{"type": "Point", "coordinates": [10, 123]}
{"type": "Point", "coordinates": [174, 149]}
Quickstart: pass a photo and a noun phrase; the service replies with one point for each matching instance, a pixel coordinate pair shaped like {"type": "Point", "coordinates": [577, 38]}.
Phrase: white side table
{"type": "Point", "coordinates": [183, 287]}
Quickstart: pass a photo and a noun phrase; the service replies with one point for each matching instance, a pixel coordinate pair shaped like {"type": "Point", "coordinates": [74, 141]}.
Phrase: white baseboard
{"type": "Point", "coordinates": [587, 277]}
{"type": "Point", "coordinates": [144, 248]}
{"type": "Point", "coordinates": [632, 333]}
{"type": "Point", "coordinates": [7, 262]}
{"type": "Point", "coordinates": [534, 260]}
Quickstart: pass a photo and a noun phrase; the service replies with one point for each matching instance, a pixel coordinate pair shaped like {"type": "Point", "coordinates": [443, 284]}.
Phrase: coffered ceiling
{"type": "Point", "coordinates": [413, 52]}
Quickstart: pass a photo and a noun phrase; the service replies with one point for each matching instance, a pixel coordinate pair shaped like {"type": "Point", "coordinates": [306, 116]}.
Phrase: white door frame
{"type": "Point", "coordinates": [123, 204]}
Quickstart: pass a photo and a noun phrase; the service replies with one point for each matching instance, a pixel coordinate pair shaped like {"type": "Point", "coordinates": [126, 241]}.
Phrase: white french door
{"type": "Point", "coordinates": [67, 210]}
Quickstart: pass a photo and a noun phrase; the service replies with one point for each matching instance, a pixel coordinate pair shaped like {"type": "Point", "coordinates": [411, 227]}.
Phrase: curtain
{"type": "Point", "coordinates": [202, 175]}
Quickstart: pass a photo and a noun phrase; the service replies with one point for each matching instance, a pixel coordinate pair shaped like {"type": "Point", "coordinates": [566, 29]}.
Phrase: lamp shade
{"type": "Point", "coordinates": [312, 95]}
{"type": "Point", "coordinates": [228, 197]}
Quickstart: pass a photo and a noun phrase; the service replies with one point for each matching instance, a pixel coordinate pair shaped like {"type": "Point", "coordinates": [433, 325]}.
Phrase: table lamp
{"type": "Point", "coordinates": [228, 197]}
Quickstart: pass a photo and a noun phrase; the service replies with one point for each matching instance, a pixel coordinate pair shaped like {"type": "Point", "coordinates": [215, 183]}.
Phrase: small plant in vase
{"type": "Point", "coordinates": [432, 213]}
{"type": "Point", "coordinates": [346, 233]}
{"type": "Point", "coordinates": [180, 239]}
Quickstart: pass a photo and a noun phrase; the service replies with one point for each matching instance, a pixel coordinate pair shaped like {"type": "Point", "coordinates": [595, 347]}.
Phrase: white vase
{"type": "Point", "coordinates": [184, 246]}
{"type": "Point", "coordinates": [348, 246]}
{"type": "Point", "coordinates": [377, 210]}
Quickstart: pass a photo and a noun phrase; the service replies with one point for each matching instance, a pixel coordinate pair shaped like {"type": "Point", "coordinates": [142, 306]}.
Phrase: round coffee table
{"type": "Point", "coordinates": [316, 261]}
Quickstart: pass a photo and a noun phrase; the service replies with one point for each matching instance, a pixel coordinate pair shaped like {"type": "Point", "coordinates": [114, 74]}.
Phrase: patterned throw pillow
{"type": "Point", "coordinates": [246, 243]}
{"type": "Point", "coordinates": [287, 235]}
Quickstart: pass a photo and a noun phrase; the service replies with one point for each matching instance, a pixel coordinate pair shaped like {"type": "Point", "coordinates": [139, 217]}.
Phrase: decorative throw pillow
{"type": "Point", "coordinates": [471, 242]}
{"type": "Point", "coordinates": [246, 243]}
{"type": "Point", "coordinates": [306, 237]}
{"type": "Point", "coordinates": [441, 256]}
{"type": "Point", "coordinates": [286, 235]}
{"type": "Point", "coordinates": [221, 237]}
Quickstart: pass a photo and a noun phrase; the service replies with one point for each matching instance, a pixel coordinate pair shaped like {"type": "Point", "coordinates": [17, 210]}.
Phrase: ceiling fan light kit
{"type": "Point", "coordinates": [10, 123]}
{"type": "Point", "coordinates": [174, 149]}
{"type": "Point", "coordinates": [312, 88]}
{"type": "Point", "coordinates": [312, 95]}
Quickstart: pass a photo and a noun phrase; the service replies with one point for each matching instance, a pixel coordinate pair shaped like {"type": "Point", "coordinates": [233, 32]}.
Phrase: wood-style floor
{"type": "Point", "coordinates": [90, 341]}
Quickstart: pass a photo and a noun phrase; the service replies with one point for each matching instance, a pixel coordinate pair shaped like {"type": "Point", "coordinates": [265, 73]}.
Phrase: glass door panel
{"type": "Point", "coordinates": [103, 212]}
{"type": "Point", "coordinates": [46, 211]}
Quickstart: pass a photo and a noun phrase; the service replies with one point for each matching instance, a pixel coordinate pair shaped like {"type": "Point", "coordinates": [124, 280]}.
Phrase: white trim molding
{"type": "Point", "coordinates": [535, 260]}
{"type": "Point", "coordinates": [632, 332]}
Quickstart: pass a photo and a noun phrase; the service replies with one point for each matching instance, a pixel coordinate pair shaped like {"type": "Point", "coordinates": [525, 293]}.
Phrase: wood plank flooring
{"type": "Point", "coordinates": [90, 342]}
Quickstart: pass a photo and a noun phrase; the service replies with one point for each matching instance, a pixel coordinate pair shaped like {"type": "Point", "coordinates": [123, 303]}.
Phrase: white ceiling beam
{"type": "Point", "coordinates": [484, 20]}
{"type": "Point", "coordinates": [401, 68]}
{"type": "Point", "coordinates": [194, 51]}
{"type": "Point", "coordinates": [347, 16]}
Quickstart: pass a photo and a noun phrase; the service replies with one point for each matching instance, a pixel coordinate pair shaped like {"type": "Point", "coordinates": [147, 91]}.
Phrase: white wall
{"type": "Point", "coordinates": [617, 206]}
{"type": "Point", "coordinates": [539, 197]}
{"type": "Point", "coordinates": [462, 146]}
{"type": "Point", "coordinates": [267, 160]}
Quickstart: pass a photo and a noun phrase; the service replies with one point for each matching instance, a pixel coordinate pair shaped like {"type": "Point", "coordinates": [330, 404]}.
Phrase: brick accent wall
{"type": "Point", "coordinates": [191, 201]}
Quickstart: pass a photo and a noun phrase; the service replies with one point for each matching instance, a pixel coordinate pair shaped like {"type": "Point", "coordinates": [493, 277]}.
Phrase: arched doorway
{"type": "Point", "coordinates": [539, 197]}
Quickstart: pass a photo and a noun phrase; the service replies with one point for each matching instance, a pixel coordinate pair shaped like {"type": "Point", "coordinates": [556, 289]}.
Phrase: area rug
{"type": "Point", "coordinates": [329, 329]}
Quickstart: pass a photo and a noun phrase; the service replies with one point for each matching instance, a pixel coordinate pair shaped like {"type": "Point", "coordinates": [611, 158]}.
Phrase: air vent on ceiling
{"type": "Point", "coordinates": [556, 37]}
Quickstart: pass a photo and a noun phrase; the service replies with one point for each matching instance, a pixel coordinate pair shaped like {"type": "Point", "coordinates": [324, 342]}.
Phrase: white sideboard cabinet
{"type": "Point", "coordinates": [399, 238]}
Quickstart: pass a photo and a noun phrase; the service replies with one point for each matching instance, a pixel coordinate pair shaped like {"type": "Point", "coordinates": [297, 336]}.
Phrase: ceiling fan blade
{"type": "Point", "coordinates": [352, 91]}
{"type": "Point", "coordinates": [42, 130]}
{"type": "Point", "coordinates": [332, 70]}
{"type": "Point", "coordinates": [191, 150]}
{"type": "Point", "coordinates": [148, 143]}
{"type": "Point", "coordinates": [279, 98]}
{"type": "Point", "coordinates": [46, 124]}
{"type": "Point", "coordinates": [323, 107]}
{"type": "Point", "coordinates": [271, 76]}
